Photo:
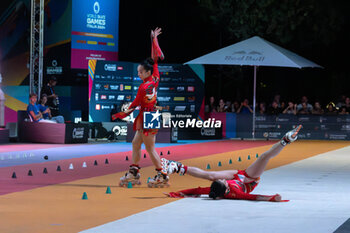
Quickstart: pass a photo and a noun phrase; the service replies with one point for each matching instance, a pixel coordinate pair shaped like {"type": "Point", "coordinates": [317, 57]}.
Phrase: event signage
{"type": "Point", "coordinates": [314, 127]}
{"type": "Point", "coordinates": [94, 32]}
{"type": "Point", "coordinates": [112, 84]}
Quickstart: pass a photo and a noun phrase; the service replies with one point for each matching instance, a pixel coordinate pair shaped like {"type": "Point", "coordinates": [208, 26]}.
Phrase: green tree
{"type": "Point", "coordinates": [281, 21]}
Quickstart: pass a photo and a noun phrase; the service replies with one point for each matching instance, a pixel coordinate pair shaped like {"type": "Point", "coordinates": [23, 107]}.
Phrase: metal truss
{"type": "Point", "coordinates": [36, 46]}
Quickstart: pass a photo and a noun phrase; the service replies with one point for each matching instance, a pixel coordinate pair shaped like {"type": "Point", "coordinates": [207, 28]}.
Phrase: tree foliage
{"type": "Point", "coordinates": [281, 21]}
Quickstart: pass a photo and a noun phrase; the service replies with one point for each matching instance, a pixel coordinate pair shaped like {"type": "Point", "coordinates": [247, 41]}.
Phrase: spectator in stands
{"type": "Point", "coordinates": [317, 110]}
{"type": "Point", "coordinates": [343, 111]}
{"type": "Point", "coordinates": [229, 106]}
{"type": "Point", "coordinates": [308, 106]}
{"type": "Point", "coordinates": [347, 104]}
{"type": "Point", "coordinates": [212, 106]}
{"type": "Point", "coordinates": [291, 109]}
{"type": "Point", "coordinates": [245, 108]}
{"type": "Point", "coordinates": [283, 105]}
{"type": "Point", "coordinates": [46, 112]}
{"type": "Point", "coordinates": [262, 108]}
{"type": "Point", "coordinates": [33, 110]}
{"type": "Point", "coordinates": [304, 109]}
{"type": "Point", "coordinates": [235, 106]}
{"type": "Point", "coordinates": [341, 102]}
{"type": "Point", "coordinates": [277, 99]}
{"type": "Point", "coordinates": [274, 109]}
{"type": "Point", "coordinates": [52, 97]}
{"type": "Point", "coordinates": [331, 109]}
{"type": "Point", "coordinates": [221, 107]}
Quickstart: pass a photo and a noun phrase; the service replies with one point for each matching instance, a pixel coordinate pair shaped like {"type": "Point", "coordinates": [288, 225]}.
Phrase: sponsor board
{"type": "Point", "coordinates": [179, 98]}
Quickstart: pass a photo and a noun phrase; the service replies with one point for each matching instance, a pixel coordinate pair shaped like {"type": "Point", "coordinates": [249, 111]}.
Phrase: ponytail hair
{"type": "Point", "coordinates": [148, 64]}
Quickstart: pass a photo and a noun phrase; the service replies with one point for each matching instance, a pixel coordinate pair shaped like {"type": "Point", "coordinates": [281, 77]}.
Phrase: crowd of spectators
{"type": "Point", "coordinates": [342, 107]}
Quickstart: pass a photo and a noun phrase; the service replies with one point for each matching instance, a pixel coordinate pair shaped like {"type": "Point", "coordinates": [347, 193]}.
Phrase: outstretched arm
{"type": "Point", "coordinates": [211, 175]}
{"type": "Point", "coordinates": [237, 194]}
{"type": "Point", "coordinates": [156, 50]}
{"type": "Point", "coordinates": [131, 108]}
{"type": "Point", "coordinates": [196, 192]}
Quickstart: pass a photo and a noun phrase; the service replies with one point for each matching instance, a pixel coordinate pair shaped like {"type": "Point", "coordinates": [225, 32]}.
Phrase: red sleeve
{"type": "Point", "coordinates": [156, 51]}
{"type": "Point", "coordinates": [190, 192]}
{"type": "Point", "coordinates": [120, 115]}
{"type": "Point", "coordinates": [237, 194]}
{"type": "Point", "coordinates": [137, 100]}
{"type": "Point", "coordinates": [155, 70]}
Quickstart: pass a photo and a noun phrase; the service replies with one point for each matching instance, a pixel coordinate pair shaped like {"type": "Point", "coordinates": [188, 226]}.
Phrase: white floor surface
{"type": "Point", "coordinates": [318, 189]}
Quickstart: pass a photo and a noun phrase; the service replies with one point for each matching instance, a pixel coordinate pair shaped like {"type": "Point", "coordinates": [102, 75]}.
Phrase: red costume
{"type": "Point", "coordinates": [238, 189]}
{"type": "Point", "coordinates": [146, 96]}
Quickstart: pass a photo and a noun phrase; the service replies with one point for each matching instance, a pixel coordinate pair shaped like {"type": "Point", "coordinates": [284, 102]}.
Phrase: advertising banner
{"type": "Point", "coordinates": [314, 127]}
{"type": "Point", "coordinates": [112, 84]}
{"type": "Point", "coordinates": [94, 31]}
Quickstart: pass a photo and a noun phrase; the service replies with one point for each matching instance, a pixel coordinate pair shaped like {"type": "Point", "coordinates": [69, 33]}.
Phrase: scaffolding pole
{"type": "Point", "coordinates": [36, 46]}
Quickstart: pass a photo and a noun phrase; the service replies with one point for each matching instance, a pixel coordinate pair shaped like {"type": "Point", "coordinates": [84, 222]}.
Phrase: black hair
{"type": "Point", "coordinates": [42, 96]}
{"type": "Point", "coordinates": [148, 64]}
{"type": "Point", "coordinates": [53, 78]}
{"type": "Point", "coordinates": [217, 189]}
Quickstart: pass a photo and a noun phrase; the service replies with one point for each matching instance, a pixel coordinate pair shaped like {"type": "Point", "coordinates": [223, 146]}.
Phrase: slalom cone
{"type": "Point", "coordinates": [45, 170]}
{"type": "Point", "coordinates": [219, 164]}
{"type": "Point", "coordinates": [95, 163]}
{"type": "Point", "coordinates": [84, 197]}
{"type": "Point", "coordinates": [71, 167]}
{"type": "Point", "coordinates": [58, 168]}
{"type": "Point", "coordinates": [126, 158]}
{"type": "Point", "coordinates": [84, 164]}
{"type": "Point", "coordinates": [168, 152]}
{"type": "Point", "coordinates": [239, 159]}
{"type": "Point", "coordinates": [257, 155]}
{"type": "Point", "coordinates": [144, 155]}
{"type": "Point", "coordinates": [14, 175]}
{"type": "Point", "coordinates": [106, 161]}
{"type": "Point", "coordinates": [248, 157]}
{"type": "Point", "coordinates": [129, 185]}
{"type": "Point", "coordinates": [230, 161]}
{"type": "Point", "coordinates": [208, 166]}
{"type": "Point", "coordinates": [161, 153]}
{"type": "Point", "coordinates": [30, 173]}
{"type": "Point", "coordinates": [108, 191]}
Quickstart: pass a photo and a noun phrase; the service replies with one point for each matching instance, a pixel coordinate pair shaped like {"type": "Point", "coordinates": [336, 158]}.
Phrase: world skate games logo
{"type": "Point", "coordinates": [96, 7]}
{"type": "Point", "coordinates": [152, 120]}
{"type": "Point", "coordinates": [96, 20]}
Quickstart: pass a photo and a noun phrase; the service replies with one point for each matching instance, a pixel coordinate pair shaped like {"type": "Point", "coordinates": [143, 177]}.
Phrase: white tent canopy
{"type": "Point", "coordinates": [255, 52]}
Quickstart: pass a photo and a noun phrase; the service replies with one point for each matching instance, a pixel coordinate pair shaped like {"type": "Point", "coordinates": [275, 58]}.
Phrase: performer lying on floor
{"type": "Point", "coordinates": [232, 184]}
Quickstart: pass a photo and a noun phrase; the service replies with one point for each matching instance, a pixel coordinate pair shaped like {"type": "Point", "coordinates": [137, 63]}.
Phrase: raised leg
{"type": "Point", "coordinates": [257, 168]}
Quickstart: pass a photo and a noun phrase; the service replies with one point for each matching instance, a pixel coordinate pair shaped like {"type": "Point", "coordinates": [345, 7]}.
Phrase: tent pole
{"type": "Point", "coordinates": [254, 103]}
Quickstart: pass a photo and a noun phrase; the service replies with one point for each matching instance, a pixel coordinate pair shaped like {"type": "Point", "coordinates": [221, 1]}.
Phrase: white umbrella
{"type": "Point", "coordinates": [255, 52]}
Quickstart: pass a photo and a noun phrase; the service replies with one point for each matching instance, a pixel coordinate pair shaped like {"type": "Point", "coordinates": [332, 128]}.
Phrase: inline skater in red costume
{"type": "Point", "coordinates": [232, 184]}
{"type": "Point", "coordinates": [145, 101]}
